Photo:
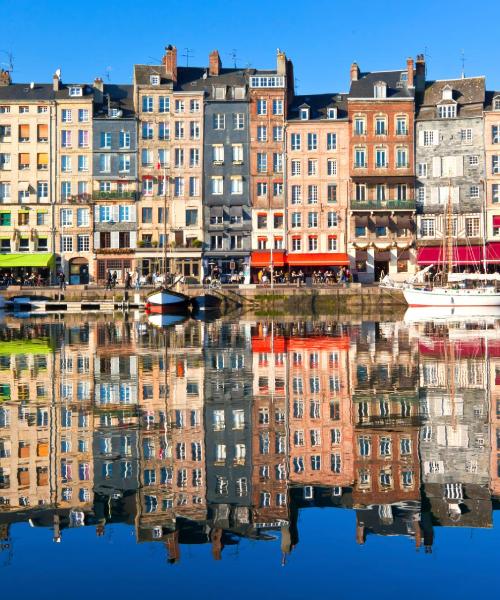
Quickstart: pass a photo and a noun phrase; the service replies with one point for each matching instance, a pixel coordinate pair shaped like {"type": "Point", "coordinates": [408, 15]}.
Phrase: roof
{"type": "Point", "coordinates": [41, 91]}
{"type": "Point", "coordinates": [191, 79]}
{"type": "Point", "coordinates": [396, 88]}
{"type": "Point", "coordinates": [469, 93]}
{"type": "Point", "coordinates": [318, 103]}
{"type": "Point", "coordinates": [488, 101]}
{"type": "Point", "coordinates": [120, 97]}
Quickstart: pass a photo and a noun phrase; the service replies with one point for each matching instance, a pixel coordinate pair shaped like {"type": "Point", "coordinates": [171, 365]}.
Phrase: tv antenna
{"type": "Point", "coordinates": [463, 63]}
{"type": "Point", "coordinates": [108, 73]}
{"type": "Point", "coordinates": [233, 54]}
{"type": "Point", "coordinates": [188, 52]}
{"type": "Point", "coordinates": [9, 63]}
{"type": "Point", "coordinates": [296, 83]}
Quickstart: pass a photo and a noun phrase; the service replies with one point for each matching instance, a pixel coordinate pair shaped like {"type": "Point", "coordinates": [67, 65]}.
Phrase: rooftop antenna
{"type": "Point", "coordinates": [426, 56]}
{"type": "Point", "coordinates": [463, 64]}
{"type": "Point", "coordinates": [296, 83]}
{"type": "Point", "coordinates": [233, 54]}
{"type": "Point", "coordinates": [10, 60]}
{"type": "Point", "coordinates": [188, 52]}
{"type": "Point", "coordinates": [108, 73]}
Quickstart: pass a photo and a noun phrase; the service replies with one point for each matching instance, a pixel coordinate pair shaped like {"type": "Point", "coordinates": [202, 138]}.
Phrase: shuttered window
{"type": "Point", "coordinates": [43, 132]}
{"type": "Point", "coordinates": [24, 132]}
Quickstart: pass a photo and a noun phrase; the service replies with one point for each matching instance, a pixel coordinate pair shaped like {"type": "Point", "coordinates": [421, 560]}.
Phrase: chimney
{"type": "Point", "coordinates": [410, 70]}
{"type": "Point", "coordinates": [170, 62]}
{"type": "Point", "coordinates": [420, 73]}
{"type": "Point", "coordinates": [280, 62]}
{"type": "Point", "coordinates": [214, 63]}
{"type": "Point", "coordinates": [5, 77]}
{"type": "Point", "coordinates": [56, 81]}
{"type": "Point", "coordinates": [354, 72]}
{"type": "Point", "coordinates": [98, 89]}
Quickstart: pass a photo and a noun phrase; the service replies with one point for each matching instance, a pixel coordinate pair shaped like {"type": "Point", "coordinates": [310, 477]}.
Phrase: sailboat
{"type": "Point", "coordinates": [453, 290]}
{"type": "Point", "coordinates": [166, 300]}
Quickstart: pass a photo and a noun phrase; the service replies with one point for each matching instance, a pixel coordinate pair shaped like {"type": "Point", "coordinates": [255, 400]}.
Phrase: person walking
{"type": "Point", "coordinates": [128, 280]}
{"type": "Point", "coordinates": [115, 278]}
{"type": "Point", "coordinates": [109, 281]}
{"type": "Point", "coordinates": [62, 280]}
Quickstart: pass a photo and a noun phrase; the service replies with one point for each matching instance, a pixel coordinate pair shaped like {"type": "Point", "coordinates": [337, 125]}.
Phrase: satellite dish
{"type": "Point", "coordinates": [32, 85]}
{"type": "Point", "coordinates": [58, 73]}
{"type": "Point", "coordinates": [119, 113]}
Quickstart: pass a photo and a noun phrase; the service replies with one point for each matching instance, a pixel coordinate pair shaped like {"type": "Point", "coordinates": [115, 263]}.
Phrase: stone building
{"type": "Point", "coordinates": [450, 169]}
{"type": "Point", "coordinates": [28, 130]}
{"type": "Point", "coordinates": [227, 208]}
{"type": "Point", "coordinates": [381, 107]}
{"type": "Point", "coordinates": [170, 113]}
{"type": "Point", "coordinates": [317, 182]}
{"type": "Point", "coordinates": [114, 192]}
{"type": "Point", "coordinates": [270, 93]}
{"type": "Point", "coordinates": [492, 171]}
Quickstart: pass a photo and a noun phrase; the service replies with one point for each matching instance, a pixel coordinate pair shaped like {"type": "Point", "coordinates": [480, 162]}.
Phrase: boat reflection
{"type": "Point", "coordinates": [211, 432]}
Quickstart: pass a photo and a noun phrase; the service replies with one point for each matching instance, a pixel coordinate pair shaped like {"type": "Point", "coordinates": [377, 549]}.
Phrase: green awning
{"type": "Point", "coordinates": [37, 346]}
{"type": "Point", "coordinates": [11, 261]}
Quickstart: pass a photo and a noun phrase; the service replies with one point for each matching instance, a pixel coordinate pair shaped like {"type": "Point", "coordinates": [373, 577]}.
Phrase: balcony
{"type": "Point", "coordinates": [116, 195]}
{"type": "Point", "coordinates": [79, 198]}
{"type": "Point", "coordinates": [382, 204]}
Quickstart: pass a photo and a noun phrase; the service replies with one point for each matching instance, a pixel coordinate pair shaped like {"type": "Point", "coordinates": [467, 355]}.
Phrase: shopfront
{"type": "Point", "coordinates": [21, 269]}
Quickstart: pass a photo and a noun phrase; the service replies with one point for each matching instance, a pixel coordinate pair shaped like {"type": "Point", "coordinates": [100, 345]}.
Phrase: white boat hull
{"type": "Point", "coordinates": [164, 298]}
{"type": "Point", "coordinates": [450, 297]}
{"type": "Point", "coordinates": [462, 314]}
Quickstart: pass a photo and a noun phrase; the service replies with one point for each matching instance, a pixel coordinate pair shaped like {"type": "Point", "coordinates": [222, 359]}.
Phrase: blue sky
{"type": "Point", "coordinates": [89, 38]}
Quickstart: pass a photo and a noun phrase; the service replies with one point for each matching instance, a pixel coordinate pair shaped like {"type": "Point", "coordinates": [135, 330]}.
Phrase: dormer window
{"type": "Point", "coordinates": [496, 103]}
{"type": "Point", "coordinates": [331, 113]}
{"type": "Point", "coordinates": [404, 76]}
{"type": "Point", "coordinates": [447, 111]}
{"type": "Point", "coordinates": [380, 90]}
{"type": "Point", "coordinates": [114, 112]}
{"type": "Point", "coordinates": [75, 91]}
{"type": "Point", "coordinates": [447, 93]}
{"type": "Point", "coordinates": [220, 93]}
{"type": "Point", "coordinates": [304, 114]}
{"type": "Point", "coordinates": [154, 80]}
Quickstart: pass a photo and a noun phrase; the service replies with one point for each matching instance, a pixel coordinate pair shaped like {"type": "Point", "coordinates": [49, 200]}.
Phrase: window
{"type": "Point", "coordinates": [401, 126]}
{"type": "Point", "coordinates": [124, 163]}
{"type": "Point", "coordinates": [262, 107]}
{"type": "Point", "coordinates": [495, 165]}
{"type": "Point", "coordinates": [332, 243]}
{"type": "Point", "coordinates": [335, 463]}
{"type": "Point", "coordinates": [447, 111]}
{"type": "Point", "coordinates": [295, 141]}
{"type": "Point", "coordinates": [474, 192]}
{"type": "Point", "coordinates": [194, 106]}
{"type": "Point", "coordinates": [331, 193]}
{"type": "Point", "coordinates": [296, 194]}
{"type": "Point", "coordinates": [261, 188]}
{"type": "Point", "coordinates": [312, 167]}
{"type": "Point", "coordinates": [312, 194]}
{"type": "Point", "coordinates": [401, 158]}
{"type": "Point", "coordinates": [194, 130]}
{"type": "Point", "coordinates": [261, 162]}
{"type": "Point", "coordinates": [295, 167]}
{"type": "Point", "coordinates": [178, 186]}
{"type": "Point", "coordinates": [331, 113]}
{"type": "Point", "coordinates": [217, 185]}
{"type": "Point", "coordinates": [312, 219]}
{"type": "Point", "coordinates": [82, 217]}
{"type": "Point", "coordinates": [312, 243]}
{"type": "Point", "coordinates": [472, 227]}
{"type": "Point", "coordinates": [66, 138]}
{"type": "Point", "coordinates": [427, 228]}
{"type": "Point", "coordinates": [466, 136]}
{"type": "Point", "coordinates": [238, 121]}
{"type": "Point", "coordinates": [359, 126]}
{"type": "Point", "coordinates": [262, 133]}
{"type": "Point", "coordinates": [359, 158]}
{"type": "Point", "coordinates": [380, 90]}
{"type": "Point", "coordinates": [66, 115]}
{"type": "Point", "coordinates": [401, 191]}
{"type": "Point", "coordinates": [66, 217]}
{"type": "Point", "coordinates": [75, 91]}
{"type": "Point", "coordinates": [194, 186]}
{"type": "Point", "coordinates": [191, 217]}
{"type": "Point", "coordinates": [380, 126]}
{"type": "Point", "coordinates": [332, 219]}
{"type": "Point", "coordinates": [179, 106]}
{"type": "Point", "coordinates": [65, 189]}
{"type": "Point", "coordinates": [218, 153]}
{"type": "Point", "coordinates": [277, 106]}
{"type": "Point", "coordinates": [331, 167]}
{"type": "Point", "coordinates": [236, 185]}
{"type": "Point", "coordinates": [66, 243]}
{"type": "Point", "coordinates": [331, 141]}
{"type": "Point", "coordinates": [83, 115]}
{"type": "Point", "coordinates": [105, 163]}
{"type": "Point", "coordinates": [83, 243]}
{"type": "Point", "coordinates": [312, 141]}
{"type": "Point", "coordinates": [296, 220]}
{"type": "Point", "coordinates": [179, 130]}
{"type": "Point", "coordinates": [422, 170]}
{"type": "Point", "coordinates": [364, 445]}
{"type": "Point", "coordinates": [219, 121]}
{"type": "Point", "coordinates": [278, 133]}
{"type": "Point", "coordinates": [430, 138]}
{"type": "Point", "coordinates": [83, 138]}
{"type": "Point", "coordinates": [380, 158]}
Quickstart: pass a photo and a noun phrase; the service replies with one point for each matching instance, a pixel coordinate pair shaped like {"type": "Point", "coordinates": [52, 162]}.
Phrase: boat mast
{"type": "Point", "coordinates": [483, 215]}
{"type": "Point", "coordinates": [449, 236]}
{"type": "Point", "coordinates": [165, 223]}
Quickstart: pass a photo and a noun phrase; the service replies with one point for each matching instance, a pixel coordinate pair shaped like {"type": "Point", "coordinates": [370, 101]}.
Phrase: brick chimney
{"type": "Point", "coordinates": [410, 68]}
{"type": "Point", "coordinates": [98, 89]}
{"type": "Point", "coordinates": [170, 62]}
{"type": "Point", "coordinates": [280, 62]}
{"type": "Point", "coordinates": [5, 77]}
{"type": "Point", "coordinates": [56, 81]}
{"type": "Point", "coordinates": [420, 73]}
{"type": "Point", "coordinates": [214, 63]}
{"type": "Point", "coordinates": [354, 72]}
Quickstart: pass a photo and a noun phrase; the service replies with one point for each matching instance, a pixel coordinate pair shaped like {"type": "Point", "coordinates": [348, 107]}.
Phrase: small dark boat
{"type": "Point", "coordinates": [206, 302]}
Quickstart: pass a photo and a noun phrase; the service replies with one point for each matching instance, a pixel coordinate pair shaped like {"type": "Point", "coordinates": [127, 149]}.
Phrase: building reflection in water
{"type": "Point", "coordinates": [207, 433]}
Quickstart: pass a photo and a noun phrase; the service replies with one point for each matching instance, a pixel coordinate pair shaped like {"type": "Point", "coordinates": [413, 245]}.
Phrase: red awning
{"type": "Point", "coordinates": [262, 258]}
{"type": "Point", "coordinates": [318, 259]}
{"type": "Point", "coordinates": [462, 255]}
{"type": "Point", "coordinates": [496, 220]}
{"type": "Point", "coordinates": [493, 251]}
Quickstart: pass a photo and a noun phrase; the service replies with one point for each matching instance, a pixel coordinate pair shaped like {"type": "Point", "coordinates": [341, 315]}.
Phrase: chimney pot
{"type": "Point", "coordinates": [214, 63]}
{"type": "Point", "coordinates": [56, 82]}
{"type": "Point", "coordinates": [411, 72]}
{"type": "Point", "coordinates": [280, 62]}
{"type": "Point", "coordinates": [170, 62]}
{"type": "Point", "coordinates": [354, 72]}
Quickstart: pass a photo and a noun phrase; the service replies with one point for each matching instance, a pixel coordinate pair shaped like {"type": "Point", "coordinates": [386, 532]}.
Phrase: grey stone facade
{"type": "Point", "coordinates": [227, 214]}
{"type": "Point", "coordinates": [450, 159]}
{"type": "Point", "coordinates": [228, 417]}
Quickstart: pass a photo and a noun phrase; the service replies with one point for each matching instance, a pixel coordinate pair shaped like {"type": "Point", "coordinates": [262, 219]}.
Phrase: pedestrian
{"type": "Point", "coordinates": [109, 281]}
{"type": "Point", "coordinates": [115, 278]}
{"type": "Point", "coordinates": [136, 280]}
{"type": "Point", "coordinates": [128, 280]}
{"type": "Point", "coordinates": [62, 280]}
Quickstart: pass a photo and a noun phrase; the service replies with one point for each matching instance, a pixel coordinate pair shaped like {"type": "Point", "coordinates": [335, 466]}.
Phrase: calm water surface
{"type": "Point", "coordinates": [248, 458]}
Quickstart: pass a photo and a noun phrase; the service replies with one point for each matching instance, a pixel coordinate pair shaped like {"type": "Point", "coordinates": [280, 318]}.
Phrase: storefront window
{"type": "Point", "coordinates": [361, 266]}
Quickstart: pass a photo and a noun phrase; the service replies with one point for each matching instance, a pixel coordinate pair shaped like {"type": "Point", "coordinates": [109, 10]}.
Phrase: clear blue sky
{"type": "Point", "coordinates": [323, 37]}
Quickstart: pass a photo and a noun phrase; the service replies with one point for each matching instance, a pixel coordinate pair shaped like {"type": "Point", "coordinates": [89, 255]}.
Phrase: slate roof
{"type": "Point", "coordinates": [318, 103]}
{"type": "Point", "coordinates": [121, 97]}
{"type": "Point", "coordinates": [469, 94]}
{"type": "Point", "coordinates": [41, 91]}
{"type": "Point", "coordinates": [364, 86]}
{"type": "Point", "coordinates": [488, 101]}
